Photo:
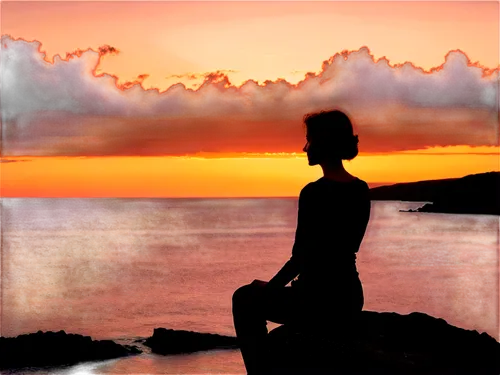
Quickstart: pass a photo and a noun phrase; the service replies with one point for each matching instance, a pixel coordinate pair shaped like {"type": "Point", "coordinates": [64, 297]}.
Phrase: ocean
{"type": "Point", "coordinates": [116, 268]}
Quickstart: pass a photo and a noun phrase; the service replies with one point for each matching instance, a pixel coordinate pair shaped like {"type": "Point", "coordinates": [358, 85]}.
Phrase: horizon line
{"type": "Point", "coordinates": [372, 185]}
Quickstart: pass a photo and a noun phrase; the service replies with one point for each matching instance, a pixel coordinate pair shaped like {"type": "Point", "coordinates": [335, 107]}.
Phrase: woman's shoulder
{"type": "Point", "coordinates": [325, 189]}
{"type": "Point", "coordinates": [363, 183]}
{"type": "Point", "coordinates": [320, 184]}
{"type": "Point", "coordinates": [323, 181]}
{"type": "Point", "coordinates": [308, 189]}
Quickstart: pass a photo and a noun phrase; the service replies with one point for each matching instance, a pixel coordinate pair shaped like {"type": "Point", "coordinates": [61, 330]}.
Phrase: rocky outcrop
{"type": "Point", "coordinates": [460, 207]}
{"type": "Point", "coordinates": [419, 191]}
{"type": "Point", "coordinates": [383, 343]}
{"type": "Point", "coordinates": [375, 343]}
{"type": "Point", "coordinates": [169, 341]}
{"type": "Point", "coordinates": [472, 194]}
{"type": "Point", "coordinates": [57, 348]}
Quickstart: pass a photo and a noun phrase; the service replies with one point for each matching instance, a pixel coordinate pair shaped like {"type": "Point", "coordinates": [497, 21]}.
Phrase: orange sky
{"type": "Point", "coordinates": [164, 39]}
{"type": "Point", "coordinates": [172, 42]}
{"type": "Point", "coordinates": [228, 176]}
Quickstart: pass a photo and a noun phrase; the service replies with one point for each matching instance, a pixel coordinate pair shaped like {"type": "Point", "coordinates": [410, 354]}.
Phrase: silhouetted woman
{"type": "Point", "coordinates": [333, 214]}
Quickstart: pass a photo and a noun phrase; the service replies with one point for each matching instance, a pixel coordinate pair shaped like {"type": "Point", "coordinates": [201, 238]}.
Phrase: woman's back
{"type": "Point", "coordinates": [332, 220]}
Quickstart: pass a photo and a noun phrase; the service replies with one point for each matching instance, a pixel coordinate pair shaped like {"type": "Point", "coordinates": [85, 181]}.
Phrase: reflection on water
{"type": "Point", "coordinates": [118, 268]}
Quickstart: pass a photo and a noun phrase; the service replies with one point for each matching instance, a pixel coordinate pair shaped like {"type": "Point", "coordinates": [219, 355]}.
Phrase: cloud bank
{"type": "Point", "coordinates": [64, 108]}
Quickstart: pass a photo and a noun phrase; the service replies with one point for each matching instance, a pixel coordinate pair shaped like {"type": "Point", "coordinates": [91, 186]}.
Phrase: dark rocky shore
{"type": "Point", "coordinates": [376, 343]}
{"type": "Point", "coordinates": [457, 207]}
{"type": "Point", "coordinates": [384, 343]}
{"type": "Point", "coordinates": [472, 194]}
{"type": "Point", "coordinates": [56, 349]}
{"type": "Point", "coordinates": [169, 341]}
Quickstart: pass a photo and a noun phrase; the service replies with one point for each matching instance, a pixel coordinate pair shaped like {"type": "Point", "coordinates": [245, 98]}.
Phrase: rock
{"type": "Point", "coordinates": [472, 194]}
{"type": "Point", "coordinates": [375, 343]}
{"type": "Point", "coordinates": [460, 207]}
{"type": "Point", "coordinates": [384, 343]}
{"type": "Point", "coordinates": [57, 348]}
{"type": "Point", "coordinates": [169, 341]}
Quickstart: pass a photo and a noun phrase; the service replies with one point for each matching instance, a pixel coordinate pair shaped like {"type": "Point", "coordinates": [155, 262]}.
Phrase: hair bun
{"type": "Point", "coordinates": [349, 150]}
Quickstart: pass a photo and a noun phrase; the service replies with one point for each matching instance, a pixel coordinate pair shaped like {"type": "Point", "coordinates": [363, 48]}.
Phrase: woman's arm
{"type": "Point", "coordinates": [286, 274]}
{"type": "Point", "coordinates": [292, 267]}
{"type": "Point", "coordinates": [364, 216]}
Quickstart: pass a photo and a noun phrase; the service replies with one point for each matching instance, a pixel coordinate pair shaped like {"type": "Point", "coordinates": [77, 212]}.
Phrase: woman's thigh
{"type": "Point", "coordinates": [278, 305]}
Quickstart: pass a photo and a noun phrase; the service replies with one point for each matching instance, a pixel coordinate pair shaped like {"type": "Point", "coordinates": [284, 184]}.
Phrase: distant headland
{"type": "Point", "coordinates": [472, 194]}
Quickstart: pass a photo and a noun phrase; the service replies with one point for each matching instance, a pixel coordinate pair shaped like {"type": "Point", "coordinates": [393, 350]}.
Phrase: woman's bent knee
{"type": "Point", "coordinates": [243, 293]}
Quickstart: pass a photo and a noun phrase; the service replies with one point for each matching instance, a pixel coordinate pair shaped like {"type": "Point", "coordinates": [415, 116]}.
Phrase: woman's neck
{"type": "Point", "coordinates": [336, 171]}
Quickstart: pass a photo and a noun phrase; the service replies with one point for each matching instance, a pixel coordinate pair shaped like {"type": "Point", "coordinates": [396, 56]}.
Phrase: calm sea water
{"type": "Point", "coordinates": [118, 268]}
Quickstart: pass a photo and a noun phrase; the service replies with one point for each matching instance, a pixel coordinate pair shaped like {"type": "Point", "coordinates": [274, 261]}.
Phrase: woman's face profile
{"type": "Point", "coordinates": [312, 156]}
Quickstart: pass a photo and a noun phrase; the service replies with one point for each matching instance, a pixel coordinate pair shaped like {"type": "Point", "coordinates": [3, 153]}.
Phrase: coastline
{"type": "Point", "coordinates": [394, 343]}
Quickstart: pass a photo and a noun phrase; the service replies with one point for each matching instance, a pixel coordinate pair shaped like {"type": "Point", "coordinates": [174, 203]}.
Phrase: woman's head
{"type": "Point", "coordinates": [330, 137]}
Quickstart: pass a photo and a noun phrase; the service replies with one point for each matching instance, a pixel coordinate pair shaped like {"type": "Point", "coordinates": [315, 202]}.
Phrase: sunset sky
{"type": "Point", "coordinates": [194, 99]}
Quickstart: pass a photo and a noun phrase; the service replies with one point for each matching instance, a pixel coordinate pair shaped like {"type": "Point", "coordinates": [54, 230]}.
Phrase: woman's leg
{"type": "Point", "coordinates": [253, 306]}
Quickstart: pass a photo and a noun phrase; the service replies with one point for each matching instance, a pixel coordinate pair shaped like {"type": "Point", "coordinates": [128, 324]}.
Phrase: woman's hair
{"type": "Point", "coordinates": [332, 135]}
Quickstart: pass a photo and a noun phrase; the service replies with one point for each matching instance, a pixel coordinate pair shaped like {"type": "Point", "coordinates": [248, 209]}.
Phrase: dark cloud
{"type": "Point", "coordinates": [455, 153]}
{"type": "Point", "coordinates": [60, 134]}
{"type": "Point", "coordinates": [12, 160]}
{"type": "Point", "coordinates": [64, 109]}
